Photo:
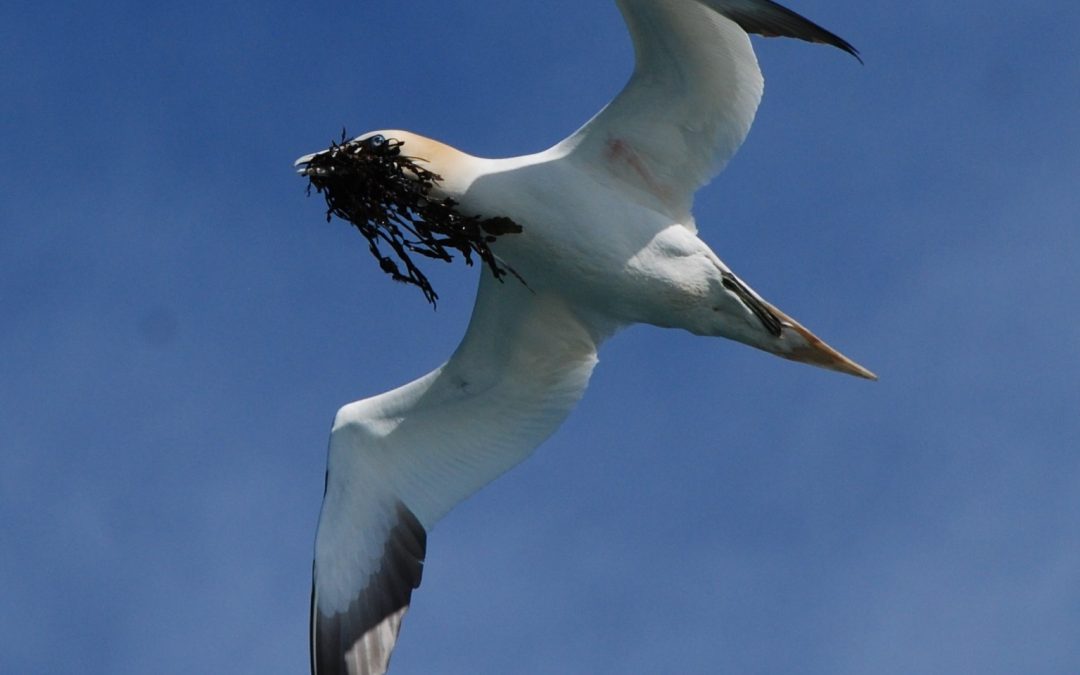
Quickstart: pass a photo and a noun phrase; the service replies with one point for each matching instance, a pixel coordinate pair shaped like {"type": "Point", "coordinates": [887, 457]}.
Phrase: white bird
{"type": "Point", "coordinates": [608, 240]}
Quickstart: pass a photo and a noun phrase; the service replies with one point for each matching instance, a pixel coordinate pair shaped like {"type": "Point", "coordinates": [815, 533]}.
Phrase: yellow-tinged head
{"type": "Point", "coordinates": [451, 165]}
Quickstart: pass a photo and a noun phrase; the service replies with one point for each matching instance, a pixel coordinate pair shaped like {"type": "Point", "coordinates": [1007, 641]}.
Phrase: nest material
{"type": "Point", "coordinates": [385, 195]}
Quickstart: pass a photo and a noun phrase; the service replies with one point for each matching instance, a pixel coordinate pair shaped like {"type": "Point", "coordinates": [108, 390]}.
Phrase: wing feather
{"type": "Point", "coordinates": [692, 97]}
{"type": "Point", "coordinates": [399, 461]}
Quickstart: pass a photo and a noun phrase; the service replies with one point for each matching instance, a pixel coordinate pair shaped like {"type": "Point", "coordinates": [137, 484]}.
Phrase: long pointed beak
{"type": "Point", "coordinates": [799, 344]}
{"type": "Point", "coordinates": [301, 164]}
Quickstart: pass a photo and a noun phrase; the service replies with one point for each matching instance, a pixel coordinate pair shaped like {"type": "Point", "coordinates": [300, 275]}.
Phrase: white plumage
{"type": "Point", "coordinates": [608, 239]}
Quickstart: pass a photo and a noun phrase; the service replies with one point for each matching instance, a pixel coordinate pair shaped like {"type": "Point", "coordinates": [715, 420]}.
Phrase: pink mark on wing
{"type": "Point", "coordinates": [620, 152]}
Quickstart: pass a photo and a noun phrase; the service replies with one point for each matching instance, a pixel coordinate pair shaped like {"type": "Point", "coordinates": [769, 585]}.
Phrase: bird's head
{"type": "Point", "coordinates": [448, 163]}
{"type": "Point", "coordinates": [402, 192]}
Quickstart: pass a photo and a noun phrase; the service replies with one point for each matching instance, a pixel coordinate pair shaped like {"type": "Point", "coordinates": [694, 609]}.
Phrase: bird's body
{"type": "Point", "coordinates": [607, 240]}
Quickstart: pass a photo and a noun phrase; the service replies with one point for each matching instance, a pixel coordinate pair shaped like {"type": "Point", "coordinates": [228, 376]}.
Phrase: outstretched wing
{"type": "Point", "coordinates": [399, 461]}
{"type": "Point", "coordinates": [692, 98]}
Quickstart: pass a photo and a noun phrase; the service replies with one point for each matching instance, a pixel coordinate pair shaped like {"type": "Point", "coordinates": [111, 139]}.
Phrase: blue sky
{"type": "Point", "coordinates": [179, 325]}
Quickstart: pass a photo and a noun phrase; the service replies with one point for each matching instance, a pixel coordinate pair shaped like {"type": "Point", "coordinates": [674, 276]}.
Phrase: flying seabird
{"type": "Point", "coordinates": [607, 240]}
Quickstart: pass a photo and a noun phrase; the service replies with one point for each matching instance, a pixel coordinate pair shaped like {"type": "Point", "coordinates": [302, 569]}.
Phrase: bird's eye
{"type": "Point", "coordinates": [377, 140]}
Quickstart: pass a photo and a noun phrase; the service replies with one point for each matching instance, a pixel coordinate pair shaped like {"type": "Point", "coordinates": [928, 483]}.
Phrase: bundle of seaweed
{"type": "Point", "coordinates": [386, 196]}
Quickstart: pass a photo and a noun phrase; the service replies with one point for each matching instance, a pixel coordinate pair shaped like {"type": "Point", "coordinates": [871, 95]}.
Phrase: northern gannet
{"type": "Point", "coordinates": [608, 240]}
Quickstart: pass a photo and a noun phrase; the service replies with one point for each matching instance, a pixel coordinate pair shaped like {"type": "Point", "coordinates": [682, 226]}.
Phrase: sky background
{"type": "Point", "coordinates": [178, 325]}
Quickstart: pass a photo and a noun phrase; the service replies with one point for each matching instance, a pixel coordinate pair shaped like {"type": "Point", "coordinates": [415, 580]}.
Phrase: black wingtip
{"type": "Point", "coordinates": [771, 19]}
{"type": "Point", "coordinates": [841, 43]}
{"type": "Point", "coordinates": [385, 597]}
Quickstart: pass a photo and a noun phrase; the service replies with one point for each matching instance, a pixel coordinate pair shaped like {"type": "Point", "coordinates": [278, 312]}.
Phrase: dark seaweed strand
{"type": "Point", "coordinates": [384, 194]}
